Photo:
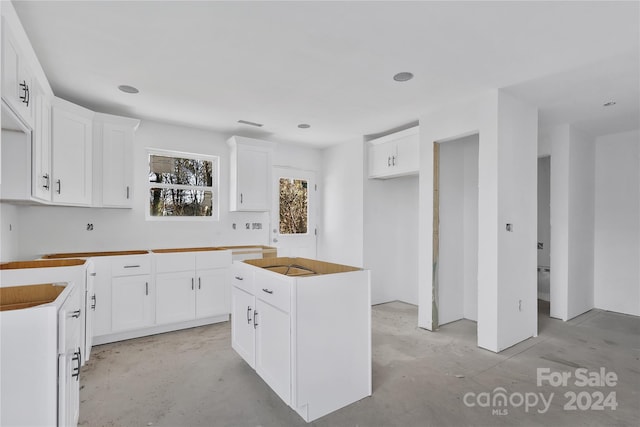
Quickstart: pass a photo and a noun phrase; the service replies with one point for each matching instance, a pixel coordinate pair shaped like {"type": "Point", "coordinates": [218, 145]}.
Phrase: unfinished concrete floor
{"type": "Point", "coordinates": [420, 378]}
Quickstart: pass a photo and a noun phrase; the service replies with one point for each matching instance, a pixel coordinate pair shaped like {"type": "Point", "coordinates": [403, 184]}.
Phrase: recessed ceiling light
{"type": "Point", "coordinates": [403, 77]}
{"type": "Point", "coordinates": [609, 104]}
{"type": "Point", "coordinates": [246, 122]}
{"type": "Point", "coordinates": [128, 89]}
{"type": "Point", "coordinates": [304, 126]}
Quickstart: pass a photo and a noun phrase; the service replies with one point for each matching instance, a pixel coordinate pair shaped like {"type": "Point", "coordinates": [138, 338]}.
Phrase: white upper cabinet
{"type": "Point", "coordinates": [112, 167]}
{"type": "Point", "coordinates": [71, 153]}
{"type": "Point", "coordinates": [250, 181]}
{"type": "Point", "coordinates": [17, 77]}
{"type": "Point", "coordinates": [394, 155]}
{"type": "Point", "coordinates": [41, 148]}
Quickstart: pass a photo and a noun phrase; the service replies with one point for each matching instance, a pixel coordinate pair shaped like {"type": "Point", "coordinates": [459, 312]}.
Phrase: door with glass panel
{"type": "Point", "coordinates": [293, 222]}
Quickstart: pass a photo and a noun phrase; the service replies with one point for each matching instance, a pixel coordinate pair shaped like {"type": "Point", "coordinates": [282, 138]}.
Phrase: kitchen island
{"type": "Point", "coordinates": [305, 327]}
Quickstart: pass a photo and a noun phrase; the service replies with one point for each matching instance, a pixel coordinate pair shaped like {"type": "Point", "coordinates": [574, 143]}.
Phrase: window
{"type": "Point", "coordinates": [182, 185]}
{"type": "Point", "coordinates": [294, 201]}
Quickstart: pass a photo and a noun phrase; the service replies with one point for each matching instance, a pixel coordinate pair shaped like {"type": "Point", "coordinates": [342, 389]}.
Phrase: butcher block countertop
{"type": "Point", "coordinates": [167, 251]}
{"type": "Point", "coordinates": [43, 263]}
{"type": "Point", "coordinates": [267, 251]}
{"type": "Point", "coordinates": [18, 297]}
{"type": "Point", "coordinates": [93, 254]}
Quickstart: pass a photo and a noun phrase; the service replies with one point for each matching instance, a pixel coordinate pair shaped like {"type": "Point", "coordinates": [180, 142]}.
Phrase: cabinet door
{"type": "Point", "coordinates": [176, 297]}
{"type": "Point", "coordinates": [41, 152]}
{"type": "Point", "coordinates": [117, 151]}
{"type": "Point", "coordinates": [211, 293]}
{"type": "Point", "coordinates": [131, 302]}
{"type": "Point", "coordinates": [90, 310]}
{"type": "Point", "coordinates": [273, 348]}
{"type": "Point", "coordinates": [101, 298]}
{"type": "Point", "coordinates": [242, 327]}
{"type": "Point", "coordinates": [408, 157]}
{"type": "Point", "coordinates": [254, 170]}
{"type": "Point", "coordinates": [71, 157]}
{"type": "Point", "coordinates": [16, 77]}
{"type": "Point", "coordinates": [70, 357]}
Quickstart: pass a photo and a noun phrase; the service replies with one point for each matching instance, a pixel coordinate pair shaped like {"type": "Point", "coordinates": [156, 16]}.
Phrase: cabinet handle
{"type": "Point", "coordinates": [255, 319]}
{"type": "Point", "coordinates": [393, 160]}
{"type": "Point", "coordinates": [77, 357]}
{"type": "Point", "coordinates": [132, 266]}
{"type": "Point", "coordinates": [25, 89]}
{"type": "Point", "coordinates": [269, 291]}
{"type": "Point", "coordinates": [59, 186]}
{"type": "Point", "coordinates": [127, 192]}
{"type": "Point", "coordinates": [146, 288]}
{"type": "Point", "coordinates": [389, 161]}
{"type": "Point", "coordinates": [76, 314]}
{"type": "Point", "coordinates": [249, 315]}
{"type": "Point", "coordinates": [28, 95]}
{"type": "Point", "coordinates": [241, 198]}
{"type": "Point", "coordinates": [46, 181]}
{"type": "Point", "coordinates": [95, 301]}
{"type": "Point", "coordinates": [192, 287]}
{"type": "Point", "coordinates": [92, 274]}
{"type": "Point", "coordinates": [199, 282]}
{"type": "Point", "coordinates": [239, 278]}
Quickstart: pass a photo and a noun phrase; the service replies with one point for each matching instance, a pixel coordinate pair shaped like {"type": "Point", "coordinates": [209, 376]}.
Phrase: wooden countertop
{"type": "Point", "coordinates": [93, 254]}
{"type": "Point", "coordinates": [172, 250]}
{"type": "Point", "coordinates": [45, 263]}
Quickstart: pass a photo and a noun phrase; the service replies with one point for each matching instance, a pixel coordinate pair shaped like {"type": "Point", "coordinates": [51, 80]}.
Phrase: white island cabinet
{"type": "Point", "coordinates": [41, 354]}
{"type": "Point", "coordinates": [305, 326]}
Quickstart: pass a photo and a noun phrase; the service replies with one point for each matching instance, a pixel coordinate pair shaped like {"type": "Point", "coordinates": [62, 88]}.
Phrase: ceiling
{"type": "Point", "coordinates": [330, 64]}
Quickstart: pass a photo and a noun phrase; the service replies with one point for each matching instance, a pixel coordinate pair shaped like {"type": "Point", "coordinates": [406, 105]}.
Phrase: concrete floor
{"type": "Point", "coordinates": [420, 378]}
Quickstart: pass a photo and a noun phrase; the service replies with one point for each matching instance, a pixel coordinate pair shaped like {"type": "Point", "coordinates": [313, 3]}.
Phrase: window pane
{"type": "Point", "coordinates": [294, 198]}
{"type": "Point", "coordinates": [177, 202]}
{"type": "Point", "coordinates": [176, 170]}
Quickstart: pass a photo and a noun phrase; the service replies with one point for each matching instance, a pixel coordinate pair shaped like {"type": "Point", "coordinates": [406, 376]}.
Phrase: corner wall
{"type": "Point", "coordinates": [617, 223]}
{"type": "Point", "coordinates": [341, 232]}
{"type": "Point", "coordinates": [572, 222]}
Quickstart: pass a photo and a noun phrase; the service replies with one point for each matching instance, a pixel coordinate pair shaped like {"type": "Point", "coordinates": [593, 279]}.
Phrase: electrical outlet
{"type": "Point", "coordinates": [233, 225]}
{"type": "Point", "coordinates": [247, 226]}
{"type": "Point", "coordinates": [89, 227]}
{"type": "Point", "coordinates": [509, 227]}
{"type": "Point", "coordinates": [540, 246]}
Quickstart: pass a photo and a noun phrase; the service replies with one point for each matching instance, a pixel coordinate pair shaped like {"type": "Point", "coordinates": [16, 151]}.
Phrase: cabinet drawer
{"type": "Point", "coordinates": [174, 262]}
{"type": "Point", "coordinates": [212, 259]}
{"type": "Point", "coordinates": [273, 290]}
{"type": "Point", "coordinates": [130, 265]}
{"type": "Point", "coordinates": [242, 277]}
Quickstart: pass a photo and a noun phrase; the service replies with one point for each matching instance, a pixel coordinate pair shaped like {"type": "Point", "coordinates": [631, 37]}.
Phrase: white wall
{"type": "Point", "coordinates": [544, 225]}
{"type": "Point", "coordinates": [340, 236]}
{"type": "Point", "coordinates": [476, 115]}
{"type": "Point", "coordinates": [8, 232]}
{"type": "Point", "coordinates": [46, 229]}
{"type": "Point", "coordinates": [617, 223]}
{"type": "Point", "coordinates": [391, 238]}
{"type": "Point", "coordinates": [572, 222]}
{"type": "Point", "coordinates": [458, 250]}
{"type": "Point", "coordinates": [517, 205]}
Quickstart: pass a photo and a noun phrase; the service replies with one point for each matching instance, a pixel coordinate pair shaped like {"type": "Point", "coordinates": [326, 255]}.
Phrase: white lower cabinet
{"type": "Point", "coordinates": [273, 348]}
{"type": "Point", "coordinates": [191, 285]}
{"type": "Point", "coordinates": [308, 337]}
{"type": "Point", "coordinates": [41, 356]}
{"type": "Point", "coordinates": [131, 302]}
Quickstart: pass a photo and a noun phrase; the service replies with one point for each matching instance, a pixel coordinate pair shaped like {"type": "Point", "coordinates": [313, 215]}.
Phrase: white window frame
{"type": "Point", "coordinates": [215, 188]}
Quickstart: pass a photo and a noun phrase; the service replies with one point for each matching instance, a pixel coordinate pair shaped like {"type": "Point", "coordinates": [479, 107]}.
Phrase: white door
{"type": "Point", "coordinates": [131, 302]}
{"type": "Point", "coordinates": [293, 217]}
{"type": "Point", "coordinates": [273, 348]}
{"type": "Point", "coordinates": [175, 297]}
{"type": "Point", "coordinates": [211, 294]}
{"type": "Point", "coordinates": [242, 324]}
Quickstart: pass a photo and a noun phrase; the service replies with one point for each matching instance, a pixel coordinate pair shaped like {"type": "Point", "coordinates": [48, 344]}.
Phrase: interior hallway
{"type": "Point", "coordinates": [420, 378]}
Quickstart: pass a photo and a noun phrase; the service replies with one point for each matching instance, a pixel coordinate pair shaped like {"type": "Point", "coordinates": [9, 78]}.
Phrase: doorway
{"type": "Point", "coordinates": [293, 222]}
{"type": "Point", "coordinates": [456, 226]}
{"type": "Point", "coordinates": [544, 235]}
